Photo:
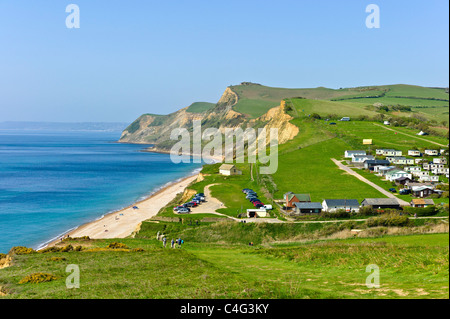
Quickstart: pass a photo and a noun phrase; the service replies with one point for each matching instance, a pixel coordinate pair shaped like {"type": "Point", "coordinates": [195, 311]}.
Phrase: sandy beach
{"type": "Point", "coordinates": [123, 223]}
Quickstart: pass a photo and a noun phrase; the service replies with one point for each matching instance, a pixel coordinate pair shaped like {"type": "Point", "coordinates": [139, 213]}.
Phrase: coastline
{"type": "Point", "coordinates": [122, 223]}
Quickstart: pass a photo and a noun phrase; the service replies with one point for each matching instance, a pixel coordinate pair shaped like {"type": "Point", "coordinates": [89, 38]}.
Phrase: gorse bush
{"type": "Point", "coordinates": [37, 278]}
{"type": "Point", "coordinates": [116, 245]}
{"type": "Point", "coordinates": [20, 250]}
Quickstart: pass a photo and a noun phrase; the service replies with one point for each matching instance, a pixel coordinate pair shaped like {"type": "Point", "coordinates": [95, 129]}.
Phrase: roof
{"type": "Point", "coordinates": [300, 197]}
{"type": "Point", "coordinates": [381, 201]}
{"type": "Point", "coordinates": [403, 178]}
{"type": "Point", "coordinates": [420, 188]}
{"type": "Point", "coordinates": [353, 151]}
{"type": "Point", "coordinates": [377, 162]}
{"type": "Point", "coordinates": [422, 201]}
{"type": "Point", "coordinates": [342, 202]}
{"type": "Point", "coordinates": [226, 167]}
{"type": "Point", "coordinates": [308, 205]}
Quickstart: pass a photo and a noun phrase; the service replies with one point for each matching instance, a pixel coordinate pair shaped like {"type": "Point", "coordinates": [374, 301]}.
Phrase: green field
{"type": "Point", "coordinates": [413, 266]}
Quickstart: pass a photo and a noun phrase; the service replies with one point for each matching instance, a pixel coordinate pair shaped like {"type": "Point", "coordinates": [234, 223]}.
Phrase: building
{"type": "Point", "coordinates": [308, 208]}
{"type": "Point", "coordinates": [362, 158]}
{"type": "Point", "coordinates": [402, 180]}
{"type": "Point", "coordinates": [429, 178]}
{"type": "Point", "coordinates": [350, 154]}
{"type": "Point", "coordinates": [440, 160]}
{"type": "Point", "coordinates": [414, 153]}
{"type": "Point", "coordinates": [370, 164]}
{"type": "Point", "coordinates": [393, 175]}
{"type": "Point", "coordinates": [257, 212]}
{"type": "Point", "coordinates": [384, 170]}
{"type": "Point", "coordinates": [421, 191]}
{"type": "Point", "coordinates": [421, 203]}
{"type": "Point", "coordinates": [388, 152]}
{"type": "Point", "coordinates": [291, 198]}
{"type": "Point", "coordinates": [381, 203]}
{"type": "Point", "coordinates": [332, 205]}
{"type": "Point", "coordinates": [400, 160]}
{"type": "Point", "coordinates": [413, 169]}
{"type": "Point", "coordinates": [432, 152]}
{"type": "Point", "coordinates": [229, 169]}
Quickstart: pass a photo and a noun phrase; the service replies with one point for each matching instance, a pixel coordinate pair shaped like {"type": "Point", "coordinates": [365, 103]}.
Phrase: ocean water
{"type": "Point", "coordinates": [51, 182]}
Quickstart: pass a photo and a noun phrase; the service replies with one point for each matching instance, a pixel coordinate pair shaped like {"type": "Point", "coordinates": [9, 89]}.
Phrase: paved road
{"type": "Point", "coordinates": [365, 180]}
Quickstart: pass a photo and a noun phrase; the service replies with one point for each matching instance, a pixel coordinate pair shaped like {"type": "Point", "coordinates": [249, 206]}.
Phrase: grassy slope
{"type": "Point", "coordinates": [200, 107]}
{"type": "Point", "coordinates": [255, 100]}
{"type": "Point", "coordinates": [411, 267]}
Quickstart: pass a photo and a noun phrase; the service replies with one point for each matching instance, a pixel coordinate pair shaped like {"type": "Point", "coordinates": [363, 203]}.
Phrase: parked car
{"type": "Point", "coordinates": [405, 191]}
{"type": "Point", "coordinates": [392, 190]}
{"type": "Point", "coordinates": [184, 211]}
{"type": "Point", "coordinates": [191, 204]}
{"type": "Point", "coordinates": [268, 207]}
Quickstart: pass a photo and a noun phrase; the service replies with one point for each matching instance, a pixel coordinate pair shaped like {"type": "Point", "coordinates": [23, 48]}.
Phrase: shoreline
{"type": "Point", "coordinates": [122, 223]}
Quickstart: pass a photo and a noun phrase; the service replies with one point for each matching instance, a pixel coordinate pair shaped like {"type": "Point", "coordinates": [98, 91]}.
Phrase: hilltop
{"type": "Point", "coordinates": [247, 105]}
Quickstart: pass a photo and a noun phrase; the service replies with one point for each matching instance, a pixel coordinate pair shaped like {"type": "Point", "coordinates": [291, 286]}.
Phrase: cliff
{"type": "Point", "coordinates": [156, 129]}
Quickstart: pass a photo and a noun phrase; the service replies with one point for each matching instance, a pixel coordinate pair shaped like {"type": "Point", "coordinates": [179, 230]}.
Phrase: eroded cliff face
{"type": "Point", "coordinates": [152, 129]}
{"type": "Point", "coordinates": [278, 118]}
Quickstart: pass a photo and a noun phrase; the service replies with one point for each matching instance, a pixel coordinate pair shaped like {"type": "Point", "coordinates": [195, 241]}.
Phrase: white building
{"type": "Point", "coordinates": [362, 158]}
{"type": "Point", "coordinates": [414, 153]}
{"type": "Point", "coordinates": [350, 154]}
{"type": "Point", "coordinates": [432, 152]}
{"type": "Point", "coordinates": [430, 178]}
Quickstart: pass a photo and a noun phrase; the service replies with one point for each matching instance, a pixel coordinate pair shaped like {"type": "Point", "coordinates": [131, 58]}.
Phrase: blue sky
{"type": "Point", "coordinates": [134, 57]}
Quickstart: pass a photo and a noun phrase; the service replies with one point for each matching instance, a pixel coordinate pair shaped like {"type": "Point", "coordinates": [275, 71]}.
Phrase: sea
{"type": "Point", "coordinates": [52, 182]}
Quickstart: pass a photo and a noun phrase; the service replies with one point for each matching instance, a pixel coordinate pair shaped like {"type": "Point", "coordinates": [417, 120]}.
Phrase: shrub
{"type": "Point", "coordinates": [340, 213]}
{"type": "Point", "coordinates": [138, 250]}
{"type": "Point", "coordinates": [389, 220]}
{"type": "Point", "coordinates": [20, 250]}
{"type": "Point", "coordinates": [116, 245]}
{"type": "Point", "coordinates": [2, 256]}
{"type": "Point", "coordinates": [78, 248]}
{"type": "Point", "coordinates": [67, 248]}
{"type": "Point", "coordinates": [426, 211]}
{"type": "Point", "coordinates": [37, 278]}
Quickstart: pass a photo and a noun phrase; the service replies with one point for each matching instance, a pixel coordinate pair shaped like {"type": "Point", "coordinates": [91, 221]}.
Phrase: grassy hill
{"type": "Point", "coordinates": [255, 100]}
{"type": "Point", "coordinates": [307, 257]}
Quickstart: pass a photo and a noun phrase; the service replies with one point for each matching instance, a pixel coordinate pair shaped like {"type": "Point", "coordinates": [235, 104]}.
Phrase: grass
{"type": "Point", "coordinates": [310, 170]}
{"type": "Point", "coordinates": [200, 107]}
{"type": "Point", "coordinates": [414, 266]}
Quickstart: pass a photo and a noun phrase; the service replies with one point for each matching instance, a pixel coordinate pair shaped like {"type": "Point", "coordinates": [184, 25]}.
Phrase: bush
{"type": "Point", "coordinates": [20, 250]}
{"type": "Point", "coordinates": [37, 278]}
{"type": "Point", "coordinates": [116, 245]}
{"type": "Point", "coordinates": [426, 211]}
{"type": "Point", "coordinates": [340, 213]}
{"type": "Point", "coordinates": [389, 220]}
{"type": "Point", "coordinates": [2, 256]}
{"type": "Point", "coordinates": [138, 250]}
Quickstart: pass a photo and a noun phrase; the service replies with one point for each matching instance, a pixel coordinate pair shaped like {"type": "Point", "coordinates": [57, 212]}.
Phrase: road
{"type": "Point", "coordinates": [365, 180]}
